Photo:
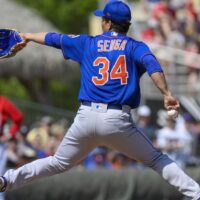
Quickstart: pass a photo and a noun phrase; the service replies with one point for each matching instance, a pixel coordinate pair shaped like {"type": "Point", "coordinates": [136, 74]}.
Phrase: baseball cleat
{"type": "Point", "coordinates": [3, 184]}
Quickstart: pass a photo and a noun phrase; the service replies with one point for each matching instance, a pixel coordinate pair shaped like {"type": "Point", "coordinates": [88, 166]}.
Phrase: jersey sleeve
{"type": "Point", "coordinates": [53, 40]}
{"type": "Point", "coordinates": [145, 60]}
{"type": "Point", "coordinates": [73, 46]}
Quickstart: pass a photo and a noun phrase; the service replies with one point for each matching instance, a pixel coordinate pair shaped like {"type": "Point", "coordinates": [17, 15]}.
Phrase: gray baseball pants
{"type": "Point", "coordinates": [103, 127]}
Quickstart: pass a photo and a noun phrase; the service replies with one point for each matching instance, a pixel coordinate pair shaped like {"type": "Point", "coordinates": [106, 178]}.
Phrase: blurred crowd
{"type": "Point", "coordinates": [26, 142]}
{"type": "Point", "coordinates": [38, 140]}
{"type": "Point", "coordinates": [177, 138]}
{"type": "Point", "coordinates": [176, 24]}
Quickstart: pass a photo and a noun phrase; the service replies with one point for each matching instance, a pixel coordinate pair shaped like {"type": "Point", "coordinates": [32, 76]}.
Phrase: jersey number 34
{"type": "Point", "coordinates": [118, 71]}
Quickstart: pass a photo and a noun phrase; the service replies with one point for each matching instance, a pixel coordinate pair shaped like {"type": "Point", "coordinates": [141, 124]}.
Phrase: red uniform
{"type": "Point", "coordinates": [8, 111]}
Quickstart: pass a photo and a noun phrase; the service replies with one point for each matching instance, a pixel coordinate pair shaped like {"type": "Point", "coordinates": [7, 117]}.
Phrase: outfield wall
{"type": "Point", "coordinates": [80, 184]}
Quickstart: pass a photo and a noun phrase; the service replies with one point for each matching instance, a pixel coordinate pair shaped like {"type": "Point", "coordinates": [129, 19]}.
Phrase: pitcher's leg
{"type": "Point", "coordinates": [137, 146]}
{"type": "Point", "coordinates": [70, 151]}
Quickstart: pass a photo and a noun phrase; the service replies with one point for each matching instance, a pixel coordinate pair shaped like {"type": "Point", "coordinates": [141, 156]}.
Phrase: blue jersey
{"type": "Point", "coordinates": [111, 65]}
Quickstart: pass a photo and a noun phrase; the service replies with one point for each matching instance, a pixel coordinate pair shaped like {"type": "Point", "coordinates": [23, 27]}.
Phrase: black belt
{"type": "Point", "coordinates": [110, 106]}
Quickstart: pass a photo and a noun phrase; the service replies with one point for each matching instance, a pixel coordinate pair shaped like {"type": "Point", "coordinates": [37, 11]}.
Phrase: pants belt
{"type": "Point", "coordinates": [109, 106]}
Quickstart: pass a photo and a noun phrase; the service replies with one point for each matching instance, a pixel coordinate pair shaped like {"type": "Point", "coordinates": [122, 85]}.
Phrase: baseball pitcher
{"type": "Point", "coordinates": [111, 66]}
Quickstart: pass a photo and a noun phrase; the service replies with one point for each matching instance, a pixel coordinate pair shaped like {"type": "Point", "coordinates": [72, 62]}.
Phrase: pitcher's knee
{"type": "Point", "coordinates": [60, 165]}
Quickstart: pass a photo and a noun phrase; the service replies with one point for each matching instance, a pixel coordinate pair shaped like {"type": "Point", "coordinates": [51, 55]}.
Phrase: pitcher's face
{"type": "Point", "coordinates": [106, 25]}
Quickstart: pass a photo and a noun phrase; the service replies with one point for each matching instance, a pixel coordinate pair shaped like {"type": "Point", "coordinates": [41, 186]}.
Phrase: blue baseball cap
{"type": "Point", "coordinates": [116, 11]}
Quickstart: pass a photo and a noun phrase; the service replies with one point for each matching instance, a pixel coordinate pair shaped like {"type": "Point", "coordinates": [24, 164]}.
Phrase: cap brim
{"type": "Point", "coordinates": [98, 13]}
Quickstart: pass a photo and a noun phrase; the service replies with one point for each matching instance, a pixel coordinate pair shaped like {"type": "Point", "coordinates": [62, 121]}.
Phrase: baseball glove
{"type": "Point", "coordinates": [10, 43]}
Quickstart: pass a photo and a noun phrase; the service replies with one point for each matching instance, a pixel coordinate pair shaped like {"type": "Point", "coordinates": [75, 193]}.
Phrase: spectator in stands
{"type": "Point", "coordinates": [9, 112]}
{"type": "Point", "coordinates": [118, 160]}
{"type": "Point", "coordinates": [196, 5]}
{"type": "Point", "coordinates": [165, 16]}
{"type": "Point", "coordinates": [177, 4]}
{"type": "Point", "coordinates": [188, 135]}
{"type": "Point", "coordinates": [191, 24]}
{"type": "Point", "coordinates": [149, 4]}
{"type": "Point", "coordinates": [163, 8]}
{"type": "Point", "coordinates": [152, 32]}
{"type": "Point", "coordinates": [11, 153]}
{"type": "Point", "coordinates": [97, 159]}
{"type": "Point", "coordinates": [24, 149]}
{"type": "Point", "coordinates": [56, 135]}
{"type": "Point", "coordinates": [38, 137]}
{"type": "Point", "coordinates": [144, 122]}
{"type": "Point", "coordinates": [193, 63]}
{"type": "Point", "coordinates": [176, 38]}
{"type": "Point", "coordinates": [175, 143]}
